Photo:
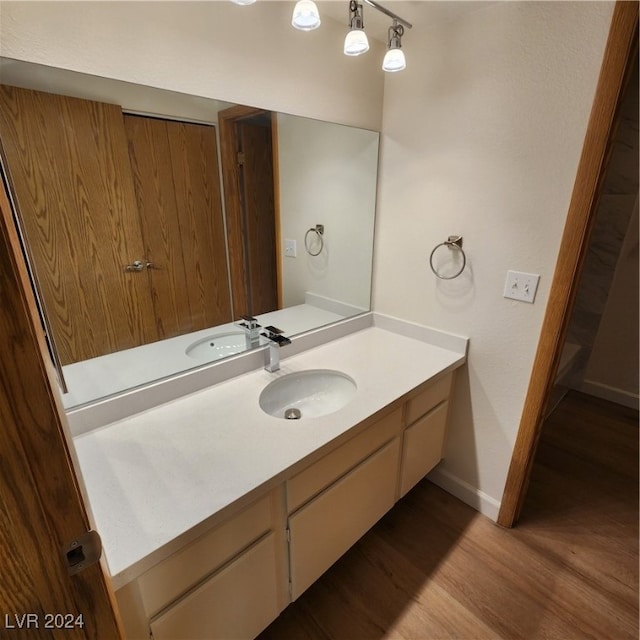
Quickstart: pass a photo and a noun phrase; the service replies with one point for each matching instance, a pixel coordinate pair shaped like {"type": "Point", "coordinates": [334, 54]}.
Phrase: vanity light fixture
{"type": "Point", "coordinates": [356, 42]}
{"type": "Point", "coordinates": [306, 16]}
{"type": "Point", "coordinates": [394, 59]}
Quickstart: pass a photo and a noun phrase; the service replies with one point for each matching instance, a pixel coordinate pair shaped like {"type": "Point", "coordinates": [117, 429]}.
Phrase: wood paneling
{"type": "Point", "coordinates": [175, 167]}
{"type": "Point", "coordinates": [40, 505]}
{"type": "Point", "coordinates": [433, 568]}
{"type": "Point", "coordinates": [621, 44]}
{"type": "Point", "coordinates": [71, 175]}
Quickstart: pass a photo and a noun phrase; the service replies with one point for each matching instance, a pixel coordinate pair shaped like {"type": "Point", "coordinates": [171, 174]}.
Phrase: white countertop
{"type": "Point", "coordinates": [156, 478]}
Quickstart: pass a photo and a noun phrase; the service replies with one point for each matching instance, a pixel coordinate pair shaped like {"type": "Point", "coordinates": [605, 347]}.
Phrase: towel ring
{"type": "Point", "coordinates": [319, 231]}
{"type": "Point", "coordinates": [452, 242]}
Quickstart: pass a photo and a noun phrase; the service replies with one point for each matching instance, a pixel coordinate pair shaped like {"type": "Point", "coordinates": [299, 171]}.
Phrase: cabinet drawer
{"type": "Point", "coordinates": [422, 447]}
{"type": "Point", "coordinates": [238, 601]}
{"type": "Point", "coordinates": [426, 400]}
{"type": "Point", "coordinates": [321, 474]}
{"type": "Point", "coordinates": [171, 578]}
{"type": "Point", "coordinates": [326, 527]}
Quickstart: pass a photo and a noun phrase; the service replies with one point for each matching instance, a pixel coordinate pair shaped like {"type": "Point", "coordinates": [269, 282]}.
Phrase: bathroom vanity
{"type": "Point", "coordinates": [215, 515]}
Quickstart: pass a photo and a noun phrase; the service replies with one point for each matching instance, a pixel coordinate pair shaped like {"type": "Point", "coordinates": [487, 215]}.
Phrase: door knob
{"type": "Point", "coordinates": [138, 265]}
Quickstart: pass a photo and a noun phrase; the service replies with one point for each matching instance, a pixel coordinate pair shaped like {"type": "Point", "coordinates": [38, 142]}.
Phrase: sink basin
{"type": "Point", "coordinates": [217, 345]}
{"type": "Point", "coordinates": [307, 394]}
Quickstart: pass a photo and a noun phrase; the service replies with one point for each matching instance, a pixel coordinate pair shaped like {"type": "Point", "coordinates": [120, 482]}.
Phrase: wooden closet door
{"type": "Point", "coordinates": [71, 174]}
{"type": "Point", "coordinates": [175, 166]}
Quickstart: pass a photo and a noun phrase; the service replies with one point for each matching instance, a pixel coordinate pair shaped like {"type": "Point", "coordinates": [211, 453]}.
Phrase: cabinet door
{"type": "Point", "coordinates": [422, 447]}
{"type": "Point", "coordinates": [71, 174]}
{"type": "Point", "coordinates": [326, 527]}
{"type": "Point", "coordinates": [238, 601]}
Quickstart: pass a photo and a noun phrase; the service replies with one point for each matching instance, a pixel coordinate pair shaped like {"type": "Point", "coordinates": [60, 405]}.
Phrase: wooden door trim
{"type": "Point", "coordinates": [276, 207]}
{"type": "Point", "coordinates": [621, 42]}
{"type": "Point", "coordinates": [39, 492]}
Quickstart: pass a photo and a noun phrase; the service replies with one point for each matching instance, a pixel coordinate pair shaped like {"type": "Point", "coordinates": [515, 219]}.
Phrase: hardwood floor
{"type": "Point", "coordinates": [434, 569]}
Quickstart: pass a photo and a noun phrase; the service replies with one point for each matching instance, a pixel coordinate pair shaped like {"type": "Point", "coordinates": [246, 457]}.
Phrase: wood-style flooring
{"type": "Point", "coordinates": [433, 568]}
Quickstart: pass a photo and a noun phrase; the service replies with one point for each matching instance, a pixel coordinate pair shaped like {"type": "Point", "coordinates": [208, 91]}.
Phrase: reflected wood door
{"type": "Point", "coordinates": [176, 177]}
{"type": "Point", "coordinates": [254, 138]}
{"type": "Point", "coordinates": [71, 175]}
{"type": "Point", "coordinates": [41, 509]}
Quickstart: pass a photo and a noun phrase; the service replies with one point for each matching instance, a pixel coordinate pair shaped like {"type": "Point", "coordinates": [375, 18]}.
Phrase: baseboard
{"type": "Point", "coordinates": [619, 396]}
{"type": "Point", "coordinates": [462, 490]}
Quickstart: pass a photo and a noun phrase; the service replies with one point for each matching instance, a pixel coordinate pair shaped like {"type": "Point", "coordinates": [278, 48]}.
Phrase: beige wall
{"type": "Point", "coordinates": [248, 55]}
{"type": "Point", "coordinates": [481, 137]}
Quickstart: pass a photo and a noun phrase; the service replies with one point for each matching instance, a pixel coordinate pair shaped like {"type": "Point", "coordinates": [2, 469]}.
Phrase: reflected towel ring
{"type": "Point", "coordinates": [452, 242]}
{"type": "Point", "coordinates": [319, 231]}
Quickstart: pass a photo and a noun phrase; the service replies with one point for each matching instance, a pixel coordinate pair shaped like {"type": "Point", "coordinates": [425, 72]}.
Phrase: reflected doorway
{"type": "Point", "coordinates": [248, 147]}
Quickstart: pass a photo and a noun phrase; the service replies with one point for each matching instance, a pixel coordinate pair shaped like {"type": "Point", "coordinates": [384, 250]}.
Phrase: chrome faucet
{"type": "Point", "coordinates": [276, 340]}
{"type": "Point", "coordinates": [251, 329]}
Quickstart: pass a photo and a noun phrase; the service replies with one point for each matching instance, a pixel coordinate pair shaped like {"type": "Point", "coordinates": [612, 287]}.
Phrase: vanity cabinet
{"type": "Point", "coordinates": [236, 579]}
{"type": "Point", "coordinates": [358, 494]}
{"type": "Point", "coordinates": [229, 583]}
{"type": "Point", "coordinates": [423, 440]}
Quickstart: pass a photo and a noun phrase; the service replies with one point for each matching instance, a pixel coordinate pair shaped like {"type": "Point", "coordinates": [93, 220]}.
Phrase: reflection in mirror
{"type": "Point", "coordinates": [155, 221]}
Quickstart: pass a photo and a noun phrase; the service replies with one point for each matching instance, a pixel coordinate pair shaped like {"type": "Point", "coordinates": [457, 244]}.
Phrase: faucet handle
{"type": "Point", "coordinates": [273, 330]}
{"type": "Point", "coordinates": [275, 335]}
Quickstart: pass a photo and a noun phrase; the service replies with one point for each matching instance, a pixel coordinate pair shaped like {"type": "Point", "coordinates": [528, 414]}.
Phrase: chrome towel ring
{"type": "Point", "coordinates": [452, 242]}
{"type": "Point", "coordinates": [319, 231]}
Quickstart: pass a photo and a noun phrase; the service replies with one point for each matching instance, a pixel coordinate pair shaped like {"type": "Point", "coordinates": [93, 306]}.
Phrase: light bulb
{"type": "Point", "coordinates": [242, 3]}
{"type": "Point", "coordinates": [356, 43]}
{"type": "Point", "coordinates": [305, 15]}
{"type": "Point", "coordinates": [394, 60]}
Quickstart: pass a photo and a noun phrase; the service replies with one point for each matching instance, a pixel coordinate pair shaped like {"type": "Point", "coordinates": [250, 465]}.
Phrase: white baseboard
{"type": "Point", "coordinates": [462, 490]}
{"type": "Point", "coordinates": [619, 396]}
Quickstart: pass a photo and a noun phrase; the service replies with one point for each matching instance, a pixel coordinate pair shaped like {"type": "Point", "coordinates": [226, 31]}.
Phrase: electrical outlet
{"type": "Point", "coordinates": [521, 286]}
{"type": "Point", "coordinates": [290, 249]}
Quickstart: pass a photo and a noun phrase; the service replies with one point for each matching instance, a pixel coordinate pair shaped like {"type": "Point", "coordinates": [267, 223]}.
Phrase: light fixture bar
{"type": "Point", "coordinates": [381, 9]}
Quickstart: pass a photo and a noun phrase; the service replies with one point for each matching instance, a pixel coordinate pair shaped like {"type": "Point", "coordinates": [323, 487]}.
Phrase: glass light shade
{"type": "Point", "coordinates": [356, 43]}
{"type": "Point", "coordinates": [305, 15]}
{"type": "Point", "coordinates": [243, 2]}
{"type": "Point", "coordinates": [394, 60]}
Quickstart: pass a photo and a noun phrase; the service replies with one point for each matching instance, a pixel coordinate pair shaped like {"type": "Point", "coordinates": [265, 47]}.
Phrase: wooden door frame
{"type": "Point", "coordinates": [233, 204]}
{"type": "Point", "coordinates": [620, 47]}
{"type": "Point", "coordinates": [41, 504]}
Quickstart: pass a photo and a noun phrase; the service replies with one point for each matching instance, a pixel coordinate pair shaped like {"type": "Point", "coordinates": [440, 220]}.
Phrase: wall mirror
{"type": "Point", "coordinates": [153, 221]}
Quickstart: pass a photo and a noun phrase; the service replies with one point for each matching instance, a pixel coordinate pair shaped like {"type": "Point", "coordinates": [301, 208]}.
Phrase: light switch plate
{"type": "Point", "coordinates": [521, 286]}
{"type": "Point", "coordinates": [290, 249]}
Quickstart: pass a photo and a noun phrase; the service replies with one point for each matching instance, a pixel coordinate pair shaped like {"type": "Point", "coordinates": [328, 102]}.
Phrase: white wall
{"type": "Point", "coordinates": [481, 137]}
{"type": "Point", "coordinates": [327, 176]}
{"type": "Point", "coordinates": [249, 55]}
